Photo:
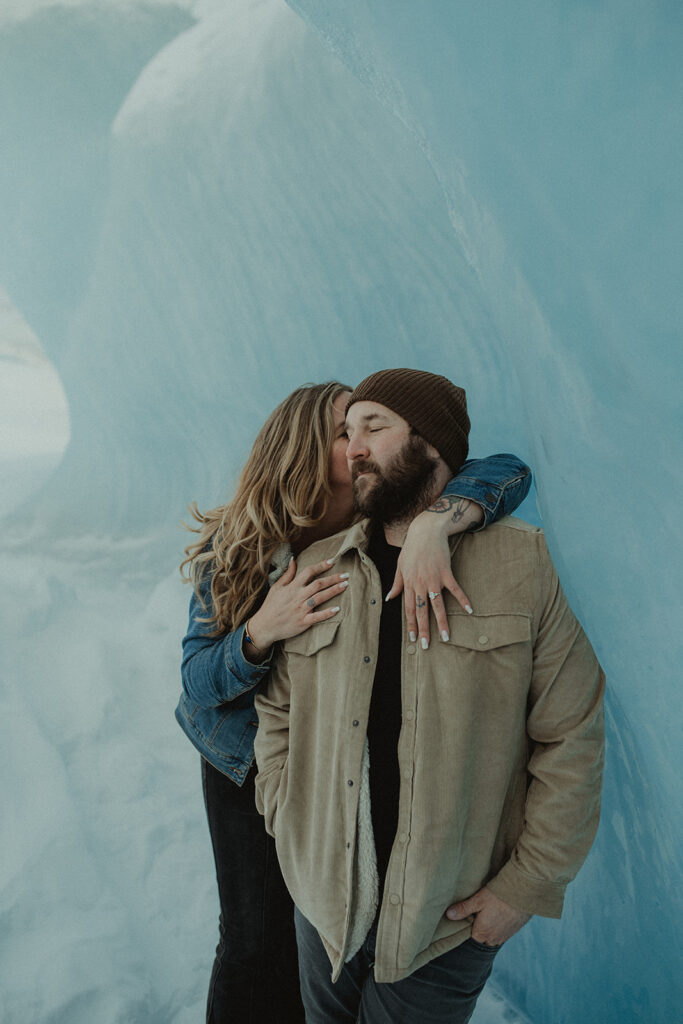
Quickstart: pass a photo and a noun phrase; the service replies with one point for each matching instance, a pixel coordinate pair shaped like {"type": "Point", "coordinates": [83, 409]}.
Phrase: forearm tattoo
{"type": "Point", "coordinates": [451, 503]}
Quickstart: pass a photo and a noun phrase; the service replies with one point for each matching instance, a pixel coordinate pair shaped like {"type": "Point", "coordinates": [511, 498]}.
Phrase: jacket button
{"type": "Point", "coordinates": [411, 648]}
{"type": "Point", "coordinates": [410, 715]}
{"type": "Point", "coordinates": [403, 837]}
{"type": "Point", "coordinates": [349, 782]}
{"type": "Point", "coordinates": [373, 601]}
{"type": "Point", "coordinates": [366, 659]}
{"type": "Point", "coordinates": [355, 722]}
{"type": "Point", "coordinates": [407, 774]}
{"type": "Point", "coordinates": [394, 899]}
{"type": "Point", "coordinates": [483, 639]}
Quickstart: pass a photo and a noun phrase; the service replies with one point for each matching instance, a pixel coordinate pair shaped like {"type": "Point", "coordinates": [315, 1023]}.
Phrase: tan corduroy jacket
{"type": "Point", "coordinates": [500, 750]}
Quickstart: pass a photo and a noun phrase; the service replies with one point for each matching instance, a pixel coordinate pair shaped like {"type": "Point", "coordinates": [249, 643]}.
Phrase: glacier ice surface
{"type": "Point", "coordinates": [204, 204]}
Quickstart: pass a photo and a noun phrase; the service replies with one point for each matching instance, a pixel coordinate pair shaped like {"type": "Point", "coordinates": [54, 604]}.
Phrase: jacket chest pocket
{"type": "Point", "coordinates": [489, 632]}
{"type": "Point", "coordinates": [316, 669]}
{"type": "Point", "coordinates": [313, 640]}
{"type": "Point", "coordinates": [491, 650]}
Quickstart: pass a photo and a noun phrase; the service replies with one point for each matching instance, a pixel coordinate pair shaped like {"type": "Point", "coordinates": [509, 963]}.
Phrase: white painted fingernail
{"type": "Point", "coordinates": [344, 584]}
{"type": "Point", "coordinates": [412, 636]}
{"type": "Point", "coordinates": [444, 636]}
{"type": "Point", "coordinates": [345, 575]}
{"type": "Point", "coordinates": [335, 609]}
{"type": "Point", "coordinates": [468, 609]}
{"type": "Point", "coordinates": [330, 561]}
{"type": "Point", "coordinates": [425, 643]}
{"type": "Point", "coordinates": [386, 599]}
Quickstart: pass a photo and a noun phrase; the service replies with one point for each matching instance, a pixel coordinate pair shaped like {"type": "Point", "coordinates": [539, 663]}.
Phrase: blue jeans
{"type": "Point", "coordinates": [255, 974]}
{"type": "Point", "coordinates": [444, 991]}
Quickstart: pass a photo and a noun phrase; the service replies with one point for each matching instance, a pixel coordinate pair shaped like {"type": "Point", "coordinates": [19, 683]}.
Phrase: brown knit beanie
{"type": "Point", "coordinates": [432, 405]}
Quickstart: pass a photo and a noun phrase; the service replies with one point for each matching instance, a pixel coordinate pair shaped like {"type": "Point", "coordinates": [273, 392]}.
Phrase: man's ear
{"type": "Point", "coordinates": [443, 470]}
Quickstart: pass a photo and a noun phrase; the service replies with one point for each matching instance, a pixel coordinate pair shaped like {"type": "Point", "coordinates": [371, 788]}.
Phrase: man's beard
{"type": "Point", "coordinates": [404, 488]}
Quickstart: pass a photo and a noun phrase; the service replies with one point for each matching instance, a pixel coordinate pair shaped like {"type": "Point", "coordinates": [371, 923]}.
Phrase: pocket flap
{"type": "Point", "coordinates": [314, 639]}
{"type": "Point", "coordinates": [485, 632]}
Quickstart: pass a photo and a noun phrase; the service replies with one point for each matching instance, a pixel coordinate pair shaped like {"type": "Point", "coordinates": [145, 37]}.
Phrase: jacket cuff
{"type": "Point", "coordinates": [530, 895]}
{"type": "Point", "coordinates": [238, 664]}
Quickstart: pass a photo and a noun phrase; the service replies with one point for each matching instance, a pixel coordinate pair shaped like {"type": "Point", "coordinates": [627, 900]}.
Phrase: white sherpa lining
{"type": "Point", "coordinates": [365, 894]}
{"type": "Point", "coordinates": [279, 562]}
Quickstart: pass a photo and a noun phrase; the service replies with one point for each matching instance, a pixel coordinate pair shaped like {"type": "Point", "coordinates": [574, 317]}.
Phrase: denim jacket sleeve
{"type": "Point", "coordinates": [214, 669]}
{"type": "Point", "coordinates": [499, 484]}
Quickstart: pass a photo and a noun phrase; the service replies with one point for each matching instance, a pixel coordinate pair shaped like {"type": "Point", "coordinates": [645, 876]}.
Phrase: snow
{"type": "Point", "coordinates": [203, 205]}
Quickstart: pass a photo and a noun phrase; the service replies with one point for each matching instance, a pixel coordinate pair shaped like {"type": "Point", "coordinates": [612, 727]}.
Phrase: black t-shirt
{"type": "Point", "coordinates": [384, 724]}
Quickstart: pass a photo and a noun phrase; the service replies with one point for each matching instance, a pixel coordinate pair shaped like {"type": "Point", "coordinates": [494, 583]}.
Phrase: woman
{"type": "Point", "coordinates": [294, 489]}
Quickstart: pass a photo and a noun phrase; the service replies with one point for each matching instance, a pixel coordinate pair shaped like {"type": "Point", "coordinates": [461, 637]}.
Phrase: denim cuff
{"type": "Point", "coordinates": [236, 661]}
{"type": "Point", "coordinates": [496, 499]}
{"type": "Point", "coordinates": [471, 488]}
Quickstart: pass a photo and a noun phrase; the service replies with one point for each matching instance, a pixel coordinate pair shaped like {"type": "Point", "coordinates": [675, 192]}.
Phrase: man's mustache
{"type": "Point", "coordinates": [364, 467]}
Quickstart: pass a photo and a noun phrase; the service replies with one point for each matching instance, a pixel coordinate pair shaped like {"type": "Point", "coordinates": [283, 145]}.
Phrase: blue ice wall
{"type": "Point", "coordinates": [204, 205]}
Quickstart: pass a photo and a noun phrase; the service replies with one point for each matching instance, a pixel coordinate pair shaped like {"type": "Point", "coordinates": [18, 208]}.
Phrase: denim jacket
{"type": "Point", "coordinates": [216, 707]}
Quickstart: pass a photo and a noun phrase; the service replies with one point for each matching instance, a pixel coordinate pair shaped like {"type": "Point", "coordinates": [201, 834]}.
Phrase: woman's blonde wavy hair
{"type": "Point", "coordinates": [283, 488]}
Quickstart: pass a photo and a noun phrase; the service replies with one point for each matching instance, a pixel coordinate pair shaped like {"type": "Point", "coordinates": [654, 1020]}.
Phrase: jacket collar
{"type": "Point", "coordinates": [357, 536]}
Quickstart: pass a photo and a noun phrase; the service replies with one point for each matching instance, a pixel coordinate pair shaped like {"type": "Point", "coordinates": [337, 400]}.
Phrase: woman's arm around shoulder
{"type": "Point", "coordinates": [497, 485]}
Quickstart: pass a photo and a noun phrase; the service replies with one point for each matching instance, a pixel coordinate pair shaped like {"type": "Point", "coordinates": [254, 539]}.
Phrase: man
{"type": "Point", "coordinates": [426, 800]}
